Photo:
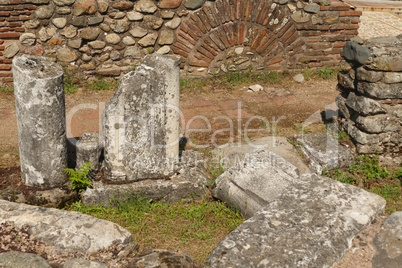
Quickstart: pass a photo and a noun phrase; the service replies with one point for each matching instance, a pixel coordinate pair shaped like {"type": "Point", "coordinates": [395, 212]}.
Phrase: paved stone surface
{"type": "Point", "coordinates": [376, 23]}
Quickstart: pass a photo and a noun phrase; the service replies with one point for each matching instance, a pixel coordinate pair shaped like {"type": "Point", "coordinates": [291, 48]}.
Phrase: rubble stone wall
{"type": "Point", "coordinates": [108, 37]}
{"type": "Point", "coordinates": [370, 102]}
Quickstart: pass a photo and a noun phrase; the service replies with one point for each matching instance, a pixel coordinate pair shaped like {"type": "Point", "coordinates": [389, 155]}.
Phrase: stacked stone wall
{"type": "Point", "coordinates": [370, 102]}
{"type": "Point", "coordinates": [108, 37]}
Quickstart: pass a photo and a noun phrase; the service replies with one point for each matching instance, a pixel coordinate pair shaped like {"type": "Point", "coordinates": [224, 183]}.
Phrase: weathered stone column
{"type": "Point", "coordinates": [141, 122]}
{"type": "Point", "coordinates": [39, 101]}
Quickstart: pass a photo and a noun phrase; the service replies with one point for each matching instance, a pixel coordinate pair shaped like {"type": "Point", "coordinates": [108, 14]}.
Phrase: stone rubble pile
{"type": "Point", "coordinates": [370, 102]}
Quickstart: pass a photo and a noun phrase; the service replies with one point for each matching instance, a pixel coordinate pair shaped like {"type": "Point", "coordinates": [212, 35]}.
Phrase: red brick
{"type": "Point", "coordinates": [5, 68]}
{"type": "Point", "coordinates": [232, 10]}
{"type": "Point", "coordinates": [217, 41]}
{"type": "Point", "coordinates": [15, 24]}
{"type": "Point", "coordinates": [310, 33]}
{"type": "Point", "coordinates": [1, 47]}
{"type": "Point", "coordinates": [4, 14]}
{"type": "Point", "coordinates": [197, 63]}
{"type": "Point", "coordinates": [250, 10]}
{"type": "Point", "coordinates": [182, 47]}
{"type": "Point", "coordinates": [349, 13]}
{"type": "Point", "coordinates": [209, 16]}
{"type": "Point", "coordinates": [238, 9]}
{"type": "Point", "coordinates": [284, 29]}
{"type": "Point", "coordinates": [312, 40]}
{"type": "Point", "coordinates": [19, 29]}
{"type": "Point", "coordinates": [323, 8]}
{"type": "Point", "coordinates": [293, 38]}
{"type": "Point", "coordinates": [9, 35]}
{"type": "Point", "coordinates": [351, 32]}
{"type": "Point", "coordinates": [222, 37]}
{"type": "Point", "coordinates": [257, 41]}
{"type": "Point", "coordinates": [276, 60]}
{"type": "Point", "coordinates": [340, 8]}
{"type": "Point", "coordinates": [274, 68]}
{"type": "Point", "coordinates": [7, 80]}
{"type": "Point", "coordinates": [179, 52]}
{"type": "Point", "coordinates": [188, 38]}
{"type": "Point", "coordinates": [352, 27]}
{"type": "Point", "coordinates": [355, 21]}
{"type": "Point", "coordinates": [260, 10]}
{"type": "Point", "coordinates": [342, 44]}
{"type": "Point", "coordinates": [205, 53]}
{"type": "Point", "coordinates": [210, 50]}
{"type": "Point", "coordinates": [184, 29]}
{"type": "Point", "coordinates": [6, 74]}
{"type": "Point", "coordinates": [1, 42]}
{"type": "Point", "coordinates": [228, 35]}
{"type": "Point", "coordinates": [333, 51]}
{"type": "Point", "coordinates": [208, 41]}
{"type": "Point", "coordinates": [199, 24]}
{"type": "Point", "coordinates": [204, 20]}
{"type": "Point", "coordinates": [6, 61]}
{"type": "Point", "coordinates": [194, 28]}
{"type": "Point", "coordinates": [6, 8]}
{"type": "Point", "coordinates": [274, 14]}
{"type": "Point", "coordinates": [319, 46]}
{"type": "Point", "coordinates": [241, 34]}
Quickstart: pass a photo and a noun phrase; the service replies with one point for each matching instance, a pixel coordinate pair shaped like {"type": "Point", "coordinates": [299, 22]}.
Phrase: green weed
{"type": "Point", "coordinates": [79, 178]}
{"type": "Point", "coordinates": [324, 73]}
{"type": "Point", "coordinates": [70, 81]}
{"type": "Point", "coordinates": [367, 173]}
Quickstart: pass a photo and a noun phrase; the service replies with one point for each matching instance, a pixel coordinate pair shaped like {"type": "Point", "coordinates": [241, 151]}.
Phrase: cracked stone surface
{"type": "Point", "coordinates": [64, 229]}
{"type": "Point", "coordinates": [310, 224]}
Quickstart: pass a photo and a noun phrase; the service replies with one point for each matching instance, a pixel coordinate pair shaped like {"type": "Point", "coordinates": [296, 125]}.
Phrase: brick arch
{"type": "Point", "coordinates": [263, 30]}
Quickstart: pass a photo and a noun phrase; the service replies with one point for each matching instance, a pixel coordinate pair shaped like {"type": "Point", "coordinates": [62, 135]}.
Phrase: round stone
{"type": "Point", "coordinates": [90, 33]}
{"type": "Point", "coordinates": [11, 50]}
{"type": "Point", "coordinates": [104, 27]}
{"type": "Point", "coordinates": [69, 31]}
{"type": "Point", "coordinates": [167, 14]}
{"type": "Point", "coordinates": [166, 37]}
{"type": "Point", "coordinates": [173, 24]}
{"type": "Point", "coordinates": [44, 12]}
{"type": "Point", "coordinates": [169, 4]}
{"type": "Point", "coordinates": [134, 16]}
{"type": "Point", "coordinates": [27, 39]}
{"type": "Point", "coordinates": [128, 41]}
{"type": "Point", "coordinates": [145, 6]}
{"type": "Point", "coordinates": [148, 40]}
{"type": "Point", "coordinates": [115, 55]}
{"type": "Point", "coordinates": [123, 5]}
{"type": "Point", "coordinates": [153, 22]}
{"type": "Point", "coordinates": [194, 4]}
{"type": "Point", "coordinates": [59, 22]}
{"type": "Point", "coordinates": [112, 38]}
{"type": "Point", "coordinates": [132, 52]}
{"type": "Point", "coordinates": [97, 44]}
{"type": "Point", "coordinates": [163, 50]}
{"type": "Point", "coordinates": [138, 32]}
{"type": "Point", "coordinates": [84, 7]}
{"type": "Point", "coordinates": [66, 55]}
{"type": "Point", "coordinates": [120, 26]}
{"type": "Point", "coordinates": [103, 5]}
{"type": "Point", "coordinates": [63, 2]}
{"type": "Point", "coordinates": [239, 50]}
{"type": "Point", "coordinates": [86, 57]}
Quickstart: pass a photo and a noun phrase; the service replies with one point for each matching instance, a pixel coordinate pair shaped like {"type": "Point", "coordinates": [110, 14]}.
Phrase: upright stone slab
{"type": "Point", "coordinates": [141, 122]}
{"type": "Point", "coordinates": [39, 101]}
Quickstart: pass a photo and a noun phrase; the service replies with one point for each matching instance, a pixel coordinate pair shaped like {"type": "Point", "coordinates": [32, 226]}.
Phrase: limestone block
{"type": "Point", "coordinates": [63, 229]}
{"type": "Point", "coordinates": [39, 101]}
{"type": "Point", "coordinates": [393, 77]}
{"type": "Point", "coordinates": [63, 2]}
{"type": "Point", "coordinates": [148, 40]}
{"type": "Point", "coordinates": [89, 149]}
{"type": "Point", "coordinates": [59, 22]}
{"type": "Point", "coordinates": [120, 26]}
{"type": "Point", "coordinates": [300, 16]}
{"type": "Point", "coordinates": [255, 181]}
{"type": "Point", "coordinates": [388, 243]}
{"type": "Point", "coordinates": [112, 38]}
{"type": "Point", "coordinates": [345, 81]}
{"type": "Point", "coordinates": [392, 63]}
{"type": "Point", "coordinates": [141, 122]}
{"type": "Point", "coordinates": [134, 16]}
{"type": "Point", "coordinates": [167, 14]}
{"type": "Point", "coordinates": [84, 7]}
{"type": "Point", "coordinates": [380, 90]}
{"type": "Point", "coordinates": [309, 224]}
{"type": "Point", "coordinates": [66, 55]}
{"type": "Point", "coordinates": [133, 52]}
{"type": "Point", "coordinates": [123, 5]}
{"type": "Point", "coordinates": [138, 32]}
{"type": "Point", "coordinates": [378, 123]}
{"type": "Point", "coordinates": [80, 21]}
{"type": "Point", "coordinates": [363, 105]}
{"type": "Point", "coordinates": [369, 76]}
{"type": "Point", "coordinates": [18, 259]}
{"type": "Point", "coordinates": [163, 50]}
{"type": "Point", "coordinates": [166, 37]}
{"type": "Point", "coordinates": [174, 23]}
{"type": "Point", "coordinates": [153, 22]}
{"type": "Point", "coordinates": [312, 8]}
{"type": "Point", "coordinates": [95, 20]}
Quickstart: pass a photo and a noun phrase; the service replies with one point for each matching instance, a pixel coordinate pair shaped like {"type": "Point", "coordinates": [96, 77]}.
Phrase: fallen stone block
{"type": "Point", "coordinates": [255, 181]}
{"type": "Point", "coordinates": [189, 184]}
{"type": "Point", "coordinates": [234, 153]}
{"type": "Point", "coordinates": [388, 243]}
{"type": "Point", "coordinates": [310, 224]}
{"type": "Point", "coordinates": [65, 229]}
{"type": "Point", "coordinates": [322, 151]}
{"type": "Point", "coordinates": [17, 259]}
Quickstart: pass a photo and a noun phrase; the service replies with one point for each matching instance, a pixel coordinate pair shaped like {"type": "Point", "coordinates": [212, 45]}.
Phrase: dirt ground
{"type": "Point", "coordinates": [212, 114]}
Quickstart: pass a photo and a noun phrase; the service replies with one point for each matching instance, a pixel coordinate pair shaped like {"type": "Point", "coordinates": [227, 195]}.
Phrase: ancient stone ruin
{"type": "Point", "coordinates": [39, 102]}
{"type": "Point", "coordinates": [140, 122]}
{"type": "Point", "coordinates": [370, 102]}
{"type": "Point", "coordinates": [104, 37]}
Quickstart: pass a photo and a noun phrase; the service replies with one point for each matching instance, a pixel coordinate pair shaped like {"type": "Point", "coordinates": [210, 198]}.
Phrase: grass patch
{"type": "Point", "coordinates": [6, 88]}
{"type": "Point", "coordinates": [195, 227]}
{"type": "Point", "coordinates": [102, 84]}
{"type": "Point", "coordinates": [324, 73]}
{"type": "Point", "coordinates": [367, 174]}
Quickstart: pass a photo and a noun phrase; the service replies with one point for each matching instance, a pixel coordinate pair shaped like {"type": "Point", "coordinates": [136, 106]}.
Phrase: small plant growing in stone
{"type": "Point", "coordinates": [79, 178]}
